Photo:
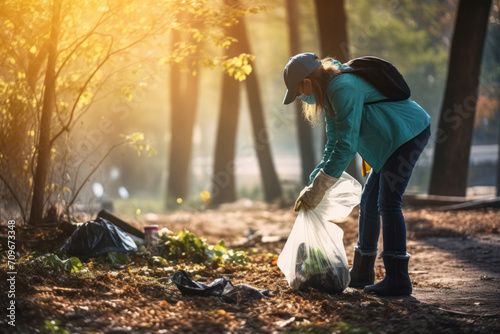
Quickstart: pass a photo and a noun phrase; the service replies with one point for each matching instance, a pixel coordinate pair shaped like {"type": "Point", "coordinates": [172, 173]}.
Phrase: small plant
{"type": "Point", "coordinates": [53, 262]}
{"type": "Point", "coordinates": [115, 259]}
{"type": "Point", "coordinates": [186, 246]}
{"type": "Point", "coordinates": [52, 326]}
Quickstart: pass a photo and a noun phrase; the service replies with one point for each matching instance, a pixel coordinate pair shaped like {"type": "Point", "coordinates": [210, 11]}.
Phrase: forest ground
{"type": "Point", "coordinates": [455, 271]}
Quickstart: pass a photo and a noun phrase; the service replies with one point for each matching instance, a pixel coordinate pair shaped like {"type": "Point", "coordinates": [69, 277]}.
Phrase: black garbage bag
{"type": "Point", "coordinates": [98, 237]}
{"type": "Point", "coordinates": [221, 287]}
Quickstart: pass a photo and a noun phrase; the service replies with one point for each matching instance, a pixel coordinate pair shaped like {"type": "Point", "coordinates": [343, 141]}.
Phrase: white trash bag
{"type": "Point", "coordinates": [314, 254]}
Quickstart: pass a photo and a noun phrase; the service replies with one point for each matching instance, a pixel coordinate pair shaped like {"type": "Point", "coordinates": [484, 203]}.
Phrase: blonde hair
{"type": "Point", "coordinates": [320, 78]}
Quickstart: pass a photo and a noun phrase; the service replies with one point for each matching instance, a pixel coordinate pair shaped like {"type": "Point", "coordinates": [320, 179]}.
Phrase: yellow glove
{"type": "Point", "coordinates": [365, 168]}
{"type": "Point", "coordinates": [310, 196]}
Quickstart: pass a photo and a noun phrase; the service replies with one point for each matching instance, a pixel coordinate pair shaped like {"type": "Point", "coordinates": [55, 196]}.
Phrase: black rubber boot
{"type": "Point", "coordinates": [397, 281]}
{"type": "Point", "coordinates": [362, 271]}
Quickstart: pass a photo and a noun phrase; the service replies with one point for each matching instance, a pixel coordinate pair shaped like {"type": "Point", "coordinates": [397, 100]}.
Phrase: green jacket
{"type": "Point", "coordinates": [373, 130]}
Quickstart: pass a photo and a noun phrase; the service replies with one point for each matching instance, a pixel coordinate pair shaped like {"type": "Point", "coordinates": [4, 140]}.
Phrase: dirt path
{"type": "Point", "coordinates": [459, 274]}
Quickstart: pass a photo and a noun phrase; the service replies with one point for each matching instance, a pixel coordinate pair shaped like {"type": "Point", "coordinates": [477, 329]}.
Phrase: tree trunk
{"type": "Point", "coordinates": [270, 181]}
{"type": "Point", "coordinates": [44, 143]}
{"type": "Point", "coordinates": [498, 155]}
{"type": "Point", "coordinates": [306, 147]}
{"type": "Point", "coordinates": [223, 180]}
{"type": "Point", "coordinates": [332, 22]}
{"type": "Point", "coordinates": [184, 89]}
{"type": "Point", "coordinates": [456, 123]}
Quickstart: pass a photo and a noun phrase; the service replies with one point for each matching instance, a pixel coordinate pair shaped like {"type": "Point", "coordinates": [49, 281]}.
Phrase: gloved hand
{"type": "Point", "coordinates": [310, 196]}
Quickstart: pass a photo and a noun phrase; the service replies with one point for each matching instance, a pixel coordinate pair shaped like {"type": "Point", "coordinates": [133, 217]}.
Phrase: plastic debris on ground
{"type": "Point", "coordinates": [98, 237]}
{"type": "Point", "coordinates": [314, 254]}
{"type": "Point", "coordinates": [221, 287]}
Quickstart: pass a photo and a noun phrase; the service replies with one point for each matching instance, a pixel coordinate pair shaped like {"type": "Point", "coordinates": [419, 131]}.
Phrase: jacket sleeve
{"type": "Point", "coordinates": [347, 102]}
{"type": "Point", "coordinates": [331, 139]}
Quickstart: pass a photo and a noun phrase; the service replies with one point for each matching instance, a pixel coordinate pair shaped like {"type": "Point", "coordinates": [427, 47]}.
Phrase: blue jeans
{"type": "Point", "coordinates": [382, 196]}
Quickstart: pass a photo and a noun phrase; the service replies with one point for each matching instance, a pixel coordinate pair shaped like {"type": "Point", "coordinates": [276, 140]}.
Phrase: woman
{"type": "Point", "coordinates": [390, 136]}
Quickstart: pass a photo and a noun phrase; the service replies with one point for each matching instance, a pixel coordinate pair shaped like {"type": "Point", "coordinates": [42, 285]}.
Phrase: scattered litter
{"type": "Point", "coordinates": [151, 232]}
{"type": "Point", "coordinates": [221, 287]}
{"type": "Point", "coordinates": [285, 322]}
{"type": "Point", "coordinates": [121, 224]}
{"type": "Point", "coordinates": [98, 237]}
{"type": "Point", "coordinates": [418, 272]}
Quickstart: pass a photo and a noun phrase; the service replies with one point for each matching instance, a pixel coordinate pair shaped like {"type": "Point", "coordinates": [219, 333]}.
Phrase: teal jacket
{"type": "Point", "coordinates": [375, 131]}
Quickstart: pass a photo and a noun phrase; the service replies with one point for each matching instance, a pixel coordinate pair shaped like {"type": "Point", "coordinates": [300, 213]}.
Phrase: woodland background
{"type": "Point", "coordinates": [175, 105]}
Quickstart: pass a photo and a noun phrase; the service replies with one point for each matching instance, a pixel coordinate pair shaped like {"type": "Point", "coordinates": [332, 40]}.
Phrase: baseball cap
{"type": "Point", "coordinates": [296, 70]}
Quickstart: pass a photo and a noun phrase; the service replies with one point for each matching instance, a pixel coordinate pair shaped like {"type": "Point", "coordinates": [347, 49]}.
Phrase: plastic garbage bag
{"type": "Point", "coordinates": [98, 237]}
{"type": "Point", "coordinates": [221, 287]}
{"type": "Point", "coordinates": [314, 254]}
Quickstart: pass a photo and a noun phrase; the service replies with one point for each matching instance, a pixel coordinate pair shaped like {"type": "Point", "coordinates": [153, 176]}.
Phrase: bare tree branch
{"type": "Point", "coordinates": [23, 214]}
{"type": "Point", "coordinates": [92, 172]}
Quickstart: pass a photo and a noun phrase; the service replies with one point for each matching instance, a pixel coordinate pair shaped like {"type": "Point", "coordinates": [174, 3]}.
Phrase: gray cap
{"type": "Point", "coordinates": [296, 70]}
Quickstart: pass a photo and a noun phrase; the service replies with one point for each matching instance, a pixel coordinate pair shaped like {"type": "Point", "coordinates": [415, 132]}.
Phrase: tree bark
{"type": "Point", "coordinates": [44, 143]}
{"type": "Point", "coordinates": [498, 155]}
{"type": "Point", "coordinates": [223, 179]}
{"type": "Point", "coordinates": [456, 123]}
{"type": "Point", "coordinates": [270, 182]}
{"type": "Point", "coordinates": [332, 22]}
{"type": "Point", "coordinates": [304, 133]}
{"type": "Point", "coordinates": [184, 88]}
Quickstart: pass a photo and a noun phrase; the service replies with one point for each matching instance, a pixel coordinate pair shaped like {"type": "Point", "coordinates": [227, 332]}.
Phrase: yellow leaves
{"type": "Point", "coordinates": [224, 42]}
{"type": "Point", "coordinates": [85, 98]}
{"type": "Point", "coordinates": [52, 188]}
{"type": "Point", "coordinates": [9, 24]}
{"type": "Point", "coordinates": [63, 107]}
{"type": "Point", "coordinates": [205, 196]}
{"type": "Point", "coordinates": [129, 10]}
{"type": "Point", "coordinates": [33, 49]}
{"type": "Point", "coordinates": [128, 96]}
{"type": "Point", "coordinates": [136, 137]}
{"type": "Point", "coordinates": [127, 91]}
{"type": "Point", "coordinates": [198, 36]}
{"type": "Point", "coordinates": [163, 60]}
{"type": "Point", "coordinates": [137, 141]}
{"type": "Point", "coordinates": [239, 67]}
